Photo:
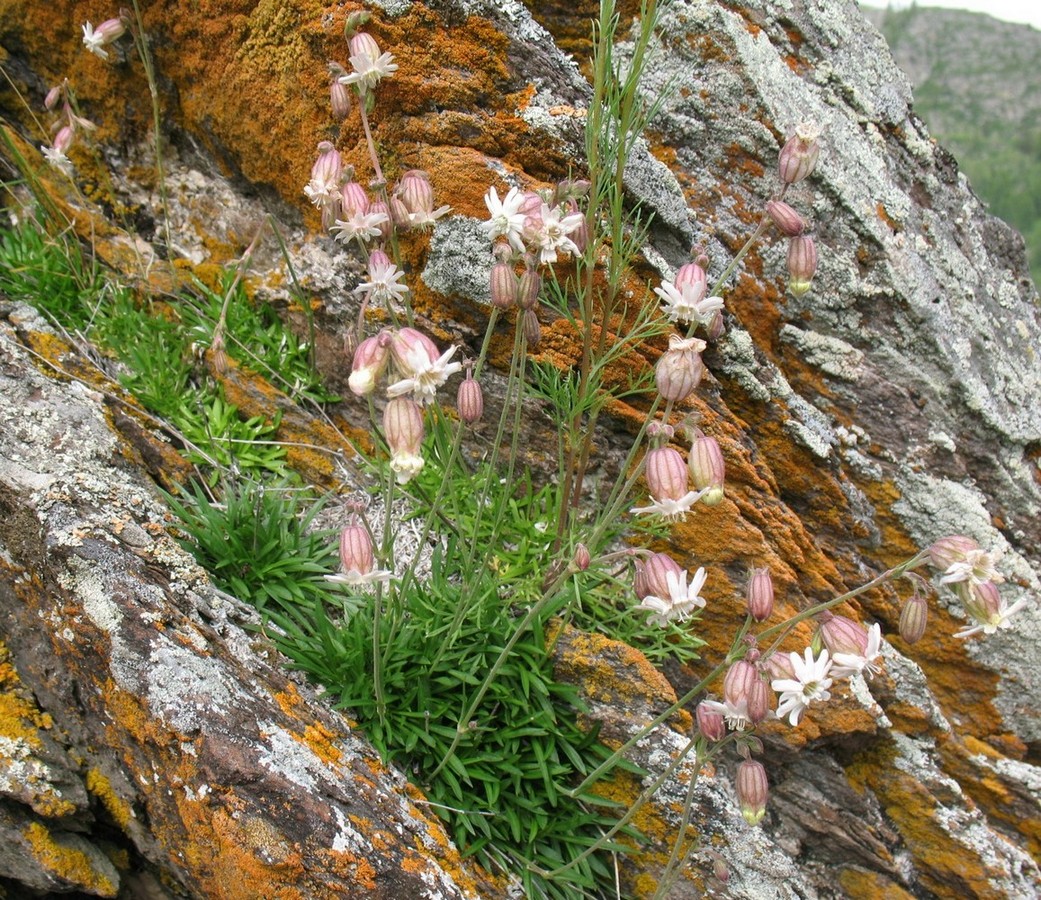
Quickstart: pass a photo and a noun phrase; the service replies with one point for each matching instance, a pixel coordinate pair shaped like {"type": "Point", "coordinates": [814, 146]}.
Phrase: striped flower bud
{"type": "Point", "coordinates": [667, 475]}
{"type": "Point", "coordinates": [652, 576]}
{"type": "Point", "coordinates": [404, 431]}
{"type": "Point", "coordinates": [760, 595]}
{"type": "Point", "coordinates": [787, 220]}
{"type": "Point", "coordinates": [753, 788]}
{"type": "Point", "coordinates": [470, 399]}
{"type": "Point", "coordinates": [680, 368]}
{"type": "Point", "coordinates": [710, 722]}
{"type": "Point", "coordinates": [504, 286]}
{"type": "Point", "coordinates": [799, 154]}
{"type": "Point", "coordinates": [914, 617]}
{"type": "Point", "coordinates": [802, 263]}
{"type": "Point", "coordinates": [707, 469]}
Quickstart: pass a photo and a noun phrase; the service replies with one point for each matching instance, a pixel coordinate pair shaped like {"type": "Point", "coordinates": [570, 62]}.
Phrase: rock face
{"type": "Point", "coordinates": [147, 747]}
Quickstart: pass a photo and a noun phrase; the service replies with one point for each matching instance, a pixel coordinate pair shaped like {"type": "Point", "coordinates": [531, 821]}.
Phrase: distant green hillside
{"type": "Point", "coordinates": [977, 85]}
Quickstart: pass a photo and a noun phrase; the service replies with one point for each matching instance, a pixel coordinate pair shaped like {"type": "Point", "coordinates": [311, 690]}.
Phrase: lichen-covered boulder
{"type": "Point", "coordinates": [891, 405]}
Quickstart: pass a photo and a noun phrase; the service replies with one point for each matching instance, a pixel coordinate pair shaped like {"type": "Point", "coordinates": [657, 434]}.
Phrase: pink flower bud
{"type": "Point", "coordinates": [652, 577]}
{"type": "Point", "coordinates": [842, 635]}
{"type": "Point", "coordinates": [356, 549]}
{"type": "Point", "coordinates": [710, 722]}
{"type": "Point", "coordinates": [470, 400]}
{"type": "Point", "coordinates": [758, 700]}
{"type": "Point", "coordinates": [950, 550]}
{"type": "Point", "coordinates": [580, 236]}
{"type": "Point", "coordinates": [52, 98]}
{"type": "Point", "coordinates": [779, 665]}
{"type": "Point", "coordinates": [415, 192]}
{"type": "Point", "coordinates": [364, 44]}
{"type": "Point", "coordinates": [581, 559]}
{"type": "Point", "coordinates": [328, 167]}
{"type": "Point", "coordinates": [504, 286]}
{"type": "Point", "coordinates": [680, 368]}
{"type": "Point", "coordinates": [707, 469]}
{"type": "Point", "coordinates": [787, 220]}
{"type": "Point", "coordinates": [355, 200]}
{"type": "Point", "coordinates": [399, 214]}
{"type": "Point", "coordinates": [690, 278]}
{"type": "Point", "coordinates": [532, 329]}
{"type": "Point", "coordinates": [666, 473]}
{"type": "Point", "coordinates": [753, 788]}
{"type": "Point", "coordinates": [528, 287]}
{"type": "Point", "coordinates": [340, 100]}
{"type": "Point", "coordinates": [412, 351]}
{"type": "Point", "coordinates": [386, 227]}
{"type": "Point", "coordinates": [63, 139]}
{"type": "Point", "coordinates": [369, 364]}
{"type": "Point", "coordinates": [760, 595]}
{"type": "Point", "coordinates": [914, 618]}
{"type": "Point", "coordinates": [738, 682]}
{"type": "Point", "coordinates": [404, 431]}
{"type": "Point", "coordinates": [799, 155]}
{"type": "Point", "coordinates": [802, 263]}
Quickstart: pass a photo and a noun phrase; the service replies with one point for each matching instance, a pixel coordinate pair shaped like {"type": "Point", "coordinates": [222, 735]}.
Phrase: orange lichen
{"type": "Point", "coordinates": [57, 856]}
{"type": "Point", "coordinates": [861, 884]}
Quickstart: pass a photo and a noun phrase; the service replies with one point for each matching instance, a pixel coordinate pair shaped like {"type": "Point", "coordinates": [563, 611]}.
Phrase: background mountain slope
{"type": "Point", "coordinates": [977, 85]}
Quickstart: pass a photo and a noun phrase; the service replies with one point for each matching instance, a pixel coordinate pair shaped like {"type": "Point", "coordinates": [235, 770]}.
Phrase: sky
{"type": "Point", "coordinates": [1023, 11]}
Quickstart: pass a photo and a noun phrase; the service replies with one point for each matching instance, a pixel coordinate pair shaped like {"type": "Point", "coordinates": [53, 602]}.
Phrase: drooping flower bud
{"type": "Point", "coordinates": [504, 286]}
{"type": "Point", "coordinates": [339, 100]}
{"type": "Point", "coordinates": [399, 214]}
{"type": "Point", "coordinates": [532, 329]}
{"type": "Point", "coordinates": [369, 364]}
{"type": "Point", "coordinates": [753, 788]}
{"type": "Point", "coordinates": [691, 278]}
{"type": "Point", "coordinates": [96, 39]}
{"type": "Point", "coordinates": [947, 551]}
{"type": "Point", "coordinates": [707, 469]}
{"type": "Point", "coordinates": [582, 558]}
{"type": "Point", "coordinates": [528, 287]}
{"type": "Point", "coordinates": [364, 44]}
{"type": "Point", "coordinates": [404, 431]}
{"type": "Point", "coordinates": [470, 399]}
{"type": "Point", "coordinates": [354, 199]}
{"type": "Point", "coordinates": [739, 681]}
{"type": "Point", "coordinates": [802, 263]}
{"type": "Point", "coordinates": [666, 473]}
{"type": "Point", "coordinates": [914, 617]}
{"type": "Point", "coordinates": [386, 227]}
{"type": "Point", "coordinates": [787, 220]}
{"type": "Point", "coordinates": [842, 635]}
{"type": "Point", "coordinates": [799, 154]}
{"type": "Point", "coordinates": [356, 549]}
{"type": "Point", "coordinates": [53, 96]}
{"type": "Point", "coordinates": [412, 351]}
{"type": "Point", "coordinates": [760, 595]}
{"type": "Point", "coordinates": [417, 195]}
{"type": "Point", "coordinates": [652, 576]}
{"type": "Point", "coordinates": [580, 236]}
{"type": "Point", "coordinates": [710, 722]}
{"type": "Point", "coordinates": [680, 368]}
{"type": "Point", "coordinates": [758, 700]}
{"type": "Point", "coordinates": [63, 139]}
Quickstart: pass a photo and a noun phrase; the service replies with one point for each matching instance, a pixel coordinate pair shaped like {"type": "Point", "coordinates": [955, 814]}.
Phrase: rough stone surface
{"type": "Point", "coordinates": [891, 405]}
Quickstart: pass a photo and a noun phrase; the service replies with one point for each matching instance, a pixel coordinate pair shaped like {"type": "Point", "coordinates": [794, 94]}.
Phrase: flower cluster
{"type": "Point", "coordinates": [65, 127]}
{"type": "Point", "coordinates": [971, 573]}
{"type": "Point", "coordinates": [797, 160]}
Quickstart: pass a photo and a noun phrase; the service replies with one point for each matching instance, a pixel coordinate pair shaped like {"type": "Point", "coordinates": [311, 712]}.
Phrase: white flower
{"type": "Point", "coordinates": [384, 284]}
{"type": "Point", "coordinates": [734, 712]}
{"type": "Point", "coordinates": [994, 620]}
{"type": "Point", "coordinates": [683, 599]}
{"type": "Point", "coordinates": [95, 41]}
{"type": "Point", "coordinates": [426, 378]}
{"type": "Point", "coordinates": [688, 303]}
{"type": "Point", "coordinates": [57, 158]}
{"type": "Point", "coordinates": [671, 510]}
{"type": "Point", "coordinates": [976, 568]}
{"type": "Point", "coordinates": [323, 193]}
{"type": "Point", "coordinates": [368, 70]}
{"type": "Point", "coordinates": [506, 218]}
{"type": "Point", "coordinates": [548, 232]}
{"type": "Point", "coordinates": [845, 665]}
{"type": "Point", "coordinates": [357, 579]}
{"type": "Point", "coordinates": [406, 466]}
{"type": "Point", "coordinates": [810, 684]}
{"type": "Point", "coordinates": [359, 225]}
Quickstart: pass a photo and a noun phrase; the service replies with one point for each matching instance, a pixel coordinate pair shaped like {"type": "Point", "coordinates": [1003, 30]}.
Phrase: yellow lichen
{"type": "Point", "coordinates": [117, 807]}
{"type": "Point", "coordinates": [67, 863]}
